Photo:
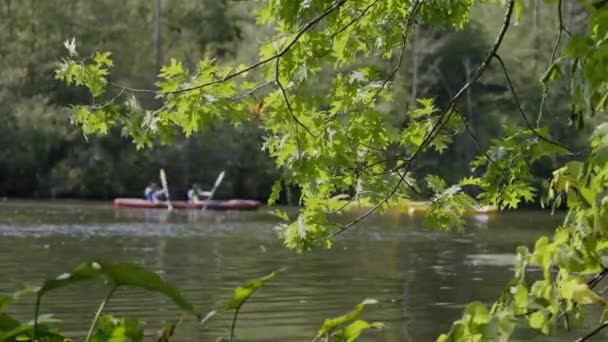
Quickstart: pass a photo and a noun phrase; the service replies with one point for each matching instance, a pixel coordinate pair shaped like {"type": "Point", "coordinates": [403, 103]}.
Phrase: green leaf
{"type": "Point", "coordinates": [354, 330]}
{"type": "Point", "coordinates": [242, 293]}
{"type": "Point", "coordinates": [110, 329]}
{"type": "Point", "coordinates": [582, 294]}
{"type": "Point", "coordinates": [280, 214]}
{"type": "Point", "coordinates": [82, 272]}
{"type": "Point", "coordinates": [331, 324]}
{"type": "Point", "coordinates": [519, 9]}
{"type": "Point", "coordinates": [604, 317]}
{"type": "Point", "coordinates": [478, 312]}
{"type": "Point", "coordinates": [577, 47]}
{"type": "Point", "coordinates": [520, 299]}
{"type": "Point", "coordinates": [138, 276]}
{"type": "Point", "coordinates": [537, 320]}
{"type": "Point", "coordinates": [169, 330]}
{"type": "Point", "coordinates": [119, 275]}
{"type": "Point", "coordinates": [8, 300]}
{"type": "Point", "coordinates": [276, 192]}
{"type": "Point", "coordinates": [103, 58]}
{"type": "Point", "coordinates": [12, 330]}
{"type": "Point", "coordinates": [554, 72]}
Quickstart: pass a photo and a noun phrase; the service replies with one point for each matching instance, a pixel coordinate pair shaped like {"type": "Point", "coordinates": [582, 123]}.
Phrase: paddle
{"type": "Point", "coordinates": [215, 186]}
{"type": "Point", "coordinates": [163, 181]}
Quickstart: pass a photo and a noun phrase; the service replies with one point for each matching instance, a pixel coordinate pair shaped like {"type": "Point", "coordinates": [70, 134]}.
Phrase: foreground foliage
{"type": "Point", "coordinates": [106, 327]}
{"type": "Point", "coordinates": [343, 146]}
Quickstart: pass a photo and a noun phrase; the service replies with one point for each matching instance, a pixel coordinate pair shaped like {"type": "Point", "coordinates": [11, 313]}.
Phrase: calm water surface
{"type": "Point", "coordinates": [421, 279]}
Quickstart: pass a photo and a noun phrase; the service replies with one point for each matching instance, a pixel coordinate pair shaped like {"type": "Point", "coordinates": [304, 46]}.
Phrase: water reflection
{"type": "Point", "coordinates": [422, 279]}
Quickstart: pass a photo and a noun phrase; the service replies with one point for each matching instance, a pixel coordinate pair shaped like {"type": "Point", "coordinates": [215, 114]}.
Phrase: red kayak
{"type": "Point", "coordinates": [233, 204]}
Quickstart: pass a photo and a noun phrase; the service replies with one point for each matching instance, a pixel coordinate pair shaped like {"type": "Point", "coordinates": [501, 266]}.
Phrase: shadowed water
{"type": "Point", "coordinates": [422, 279]}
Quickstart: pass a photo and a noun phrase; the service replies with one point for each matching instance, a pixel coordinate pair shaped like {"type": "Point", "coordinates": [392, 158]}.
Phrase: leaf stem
{"type": "Point", "coordinates": [36, 313]}
{"type": "Point", "coordinates": [98, 313]}
{"type": "Point", "coordinates": [233, 326]}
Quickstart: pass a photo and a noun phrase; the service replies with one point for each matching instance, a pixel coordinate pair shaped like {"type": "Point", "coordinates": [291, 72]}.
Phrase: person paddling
{"type": "Point", "coordinates": [196, 195]}
{"type": "Point", "coordinates": [154, 193]}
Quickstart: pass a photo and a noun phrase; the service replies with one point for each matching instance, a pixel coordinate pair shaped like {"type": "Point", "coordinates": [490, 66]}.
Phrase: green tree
{"type": "Point", "coordinates": [43, 156]}
{"type": "Point", "coordinates": [344, 145]}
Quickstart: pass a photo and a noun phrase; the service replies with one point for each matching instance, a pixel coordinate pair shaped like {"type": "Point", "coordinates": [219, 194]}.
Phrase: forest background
{"type": "Point", "coordinates": [42, 155]}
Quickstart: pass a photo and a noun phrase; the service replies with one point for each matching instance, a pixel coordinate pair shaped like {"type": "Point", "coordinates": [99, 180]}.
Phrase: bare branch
{"type": "Point", "coordinates": [469, 130]}
{"type": "Point", "coordinates": [521, 110]}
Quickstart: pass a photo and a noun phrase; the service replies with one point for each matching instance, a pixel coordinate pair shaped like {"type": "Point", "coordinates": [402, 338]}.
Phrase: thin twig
{"type": "Point", "coordinates": [233, 326]}
{"type": "Point", "coordinates": [36, 314]}
{"type": "Point", "coordinates": [520, 108]}
{"type": "Point", "coordinates": [391, 75]}
{"type": "Point", "coordinates": [469, 130]}
{"type": "Point", "coordinates": [277, 80]}
{"type": "Point", "coordinates": [252, 91]}
{"type": "Point", "coordinates": [110, 101]}
{"type": "Point", "coordinates": [592, 333]}
{"type": "Point", "coordinates": [562, 29]}
{"type": "Point", "coordinates": [355, 19]}
{"type": "Point", "coordinates": [294, 119]}
{"type": "Point", "coordinates": [598, 277]}
{"type": "Point", "coordinates": [342, 229]}
{"type": "Point", "coordinates": [444, 117]}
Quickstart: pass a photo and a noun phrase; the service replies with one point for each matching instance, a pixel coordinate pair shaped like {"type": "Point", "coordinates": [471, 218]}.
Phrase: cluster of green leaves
{"type": "Point", "coordinates": [579, 245]}
{"type": "Point", "coordinates": [12, 330]}
{"type": "Point", "coordinates": [506, 177]}
{"type": "Point", "coordinates": [330, 146]}
{"type": "Point", "coordinates": [344, 144]}
{"type": "Point", "coordinates": [106, 328]}
{"type": "Point", "coordinates": [583, 59]}
{"type": "Point", "coordinates": [117, 329]}
{"type": "Point", "coordinates": [337, 330]}
{"type": "Point", "coordinates": [93, 76]}
{"type": "Point", "coordinates": [448, 204]}
{"type": "Point", "coordinates": [575, 250]}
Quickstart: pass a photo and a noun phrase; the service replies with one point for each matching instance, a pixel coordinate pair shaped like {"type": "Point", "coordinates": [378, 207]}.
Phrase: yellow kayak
{"type": "Point", "coordinates": [417, 207]}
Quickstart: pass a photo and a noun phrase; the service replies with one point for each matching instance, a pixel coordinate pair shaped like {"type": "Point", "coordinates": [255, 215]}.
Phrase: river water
{"type": "Point", "coordinates": [421, 279]}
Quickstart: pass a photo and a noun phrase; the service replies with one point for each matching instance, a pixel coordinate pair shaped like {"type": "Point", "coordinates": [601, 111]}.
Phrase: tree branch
{"type": "Point", "coordinates": [562, 29]}
{"type": "Point", "coordinates": [355, 19]}
{"type": "Point", "coordinates": [592, 333]}
{"type": "Point", "coordinates": [289, 109]}
{"type": "Point", "coordinates": [443, 119]}
{"type": "Point", "coordinates": [408, 25]}
{"type": "Point", "coordinates": [252, 91]}
{"type": "Point", "coordinates": [520, 108]}
{"type": "Point", "coordinates": [286, 98]}
{"type": "Point", "coordinates": [305, 28]}
{"type": "Point", "coordinates": [344, 28]}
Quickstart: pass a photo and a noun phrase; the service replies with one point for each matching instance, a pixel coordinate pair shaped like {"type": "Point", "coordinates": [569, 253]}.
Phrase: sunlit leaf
{"type": "Point", "coordinates": [242, 293]}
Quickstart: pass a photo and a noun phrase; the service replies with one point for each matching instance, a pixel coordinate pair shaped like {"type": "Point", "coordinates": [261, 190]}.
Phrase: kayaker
{"type": "Point", "coordinates": [154, 193]}
{"type": "Point", "coordinates": [196, 195]}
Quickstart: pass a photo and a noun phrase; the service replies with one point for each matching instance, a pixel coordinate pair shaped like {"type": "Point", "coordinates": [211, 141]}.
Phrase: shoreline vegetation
{"type": "Point", "coordinates": [472, 106]}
